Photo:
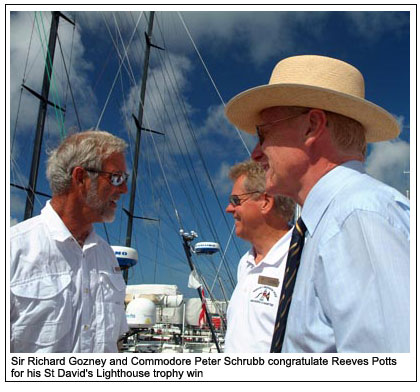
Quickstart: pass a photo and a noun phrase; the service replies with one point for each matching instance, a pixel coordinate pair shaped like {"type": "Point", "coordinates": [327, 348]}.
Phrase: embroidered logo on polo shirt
{"type": "Point", "coordinates": [263, 295]}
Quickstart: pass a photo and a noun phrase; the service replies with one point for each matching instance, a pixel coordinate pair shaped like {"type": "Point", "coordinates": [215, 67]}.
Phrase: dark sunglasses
{"type": "Point", "coordinates": [235, 200]}
{"type": "Point", "coordinates": [259, 128]}
{"type": "Point", "coordinates": [115, 179]}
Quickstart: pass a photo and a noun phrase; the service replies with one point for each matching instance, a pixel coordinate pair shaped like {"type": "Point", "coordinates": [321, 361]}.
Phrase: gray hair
{"type": "Point", "coordinates": [86, 149]}
{"type": "Point", "coordinates": [348, 135]}
{"type": "Point", "coordinates": [255, 181]}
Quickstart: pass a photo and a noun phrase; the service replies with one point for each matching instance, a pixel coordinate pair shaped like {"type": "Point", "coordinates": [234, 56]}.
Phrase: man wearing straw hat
{"type": "Point", "coordinates": [347, 288]}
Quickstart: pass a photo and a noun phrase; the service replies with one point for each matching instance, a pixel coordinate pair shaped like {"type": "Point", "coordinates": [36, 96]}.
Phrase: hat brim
{"type": "Point", "coordinates": [244, 109]}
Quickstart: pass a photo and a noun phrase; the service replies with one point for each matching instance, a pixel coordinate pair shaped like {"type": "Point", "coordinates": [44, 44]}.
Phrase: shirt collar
{"type": "Point", "coordinates": [91, 240]}
{"type": "Point", "coordinates": [272, 256]}
{"type": "Point", "coordinates": [59, 231]}
{"type": "Point", "coordinates": [323, 192]}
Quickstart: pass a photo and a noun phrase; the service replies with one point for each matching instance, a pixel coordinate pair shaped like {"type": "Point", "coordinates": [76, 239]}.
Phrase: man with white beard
{"type": "Point", "coordinates": [67, 291]}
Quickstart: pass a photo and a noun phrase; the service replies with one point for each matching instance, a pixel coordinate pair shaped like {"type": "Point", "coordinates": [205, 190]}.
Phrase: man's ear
{"type": "Point", "coordinates": [267, 203]}
{"type": "Point", "coordinates": [316, 126]}
{"type": "Point", "coordinates": [78, 176]}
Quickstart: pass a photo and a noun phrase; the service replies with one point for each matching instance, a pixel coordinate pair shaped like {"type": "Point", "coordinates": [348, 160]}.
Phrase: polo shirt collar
{"type": "Point", "coordinates": [324, 191]}
{"type": "Point", "coordinates": [272, 257]}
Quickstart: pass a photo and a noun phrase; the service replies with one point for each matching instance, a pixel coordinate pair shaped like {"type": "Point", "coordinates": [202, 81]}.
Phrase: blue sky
{"type": "Point", "coordinates": [239, 50]}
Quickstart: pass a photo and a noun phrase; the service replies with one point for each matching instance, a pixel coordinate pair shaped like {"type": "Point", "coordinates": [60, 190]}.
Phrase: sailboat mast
{"type": "Point", "coordinates": [138, 136]}
{"type": "Point", "coordinates": [42, 112]}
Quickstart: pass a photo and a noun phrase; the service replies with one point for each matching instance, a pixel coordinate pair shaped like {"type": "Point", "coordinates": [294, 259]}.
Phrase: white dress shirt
{"type": "Point", "coordinates": [64, 298]}
{"type": "Point", "coordinates": [352, 291]}
{"type": "Point", "coordinates": [253, 307]}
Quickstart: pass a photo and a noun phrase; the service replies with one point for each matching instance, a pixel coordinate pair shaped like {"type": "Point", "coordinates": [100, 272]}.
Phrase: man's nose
{"type": "Point", "coordinates": [123, 187]}
{"type": "Point", "coordinates": [230, 209]}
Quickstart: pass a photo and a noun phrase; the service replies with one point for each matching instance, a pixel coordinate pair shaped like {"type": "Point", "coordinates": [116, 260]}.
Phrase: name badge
{"type": "Point", "coordinates": [274, 282]}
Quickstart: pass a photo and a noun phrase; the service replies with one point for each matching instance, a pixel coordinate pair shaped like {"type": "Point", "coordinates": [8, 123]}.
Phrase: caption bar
{"type": "Point", "coordinates": [133, 367]}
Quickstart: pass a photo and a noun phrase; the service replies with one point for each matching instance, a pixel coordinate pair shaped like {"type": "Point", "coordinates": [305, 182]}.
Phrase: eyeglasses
{"type": "Point", "coordinates": [115, 179]}
{"type": "Point", "coordinates": [259, 128]}
{"type": "Point", "coordinates": [236, 201]}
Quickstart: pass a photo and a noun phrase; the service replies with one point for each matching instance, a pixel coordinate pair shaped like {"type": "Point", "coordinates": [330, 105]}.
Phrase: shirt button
{"type": "Point", "coordinates": [86, 291]}
{"type": "Point", "coordinates": [85, 327]}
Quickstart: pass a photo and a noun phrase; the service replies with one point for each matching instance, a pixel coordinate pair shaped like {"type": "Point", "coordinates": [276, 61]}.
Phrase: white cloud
{"type": "Point", "coordinates": [219, 30]}
{"type": "Point", "coordinates": [217, 133]}
{"type": "Point", "coordinates": [221, 180]}
{"type": "Point", "coordinates": [166, 110]}
{"type": "Point", "coordinates": [388, 161]}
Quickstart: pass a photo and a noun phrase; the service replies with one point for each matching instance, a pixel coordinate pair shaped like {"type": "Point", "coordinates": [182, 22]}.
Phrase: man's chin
{"type": "Point", "coordinates": [108, 218]}
{"type": "Point", "coordinates": [275, 189]}
{"type": "Point", "coordinates": [237, 231]}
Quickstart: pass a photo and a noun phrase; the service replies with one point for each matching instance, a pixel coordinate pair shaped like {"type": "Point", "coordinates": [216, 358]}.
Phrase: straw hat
{"type": "Point", "coordinates": [315, 82]}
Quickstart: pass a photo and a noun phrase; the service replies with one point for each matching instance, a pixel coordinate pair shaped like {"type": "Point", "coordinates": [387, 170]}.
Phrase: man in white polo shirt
{"type": "Point", "coordinates": [263, 220]}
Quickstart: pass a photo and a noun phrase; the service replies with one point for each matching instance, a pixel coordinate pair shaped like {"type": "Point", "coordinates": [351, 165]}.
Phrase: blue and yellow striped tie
{"type": "Point", "coordinates": [292, 265]}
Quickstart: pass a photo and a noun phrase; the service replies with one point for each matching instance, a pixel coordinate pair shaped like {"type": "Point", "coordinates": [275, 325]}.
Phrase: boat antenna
{"type": "Point", "coordinates": [187, 239]}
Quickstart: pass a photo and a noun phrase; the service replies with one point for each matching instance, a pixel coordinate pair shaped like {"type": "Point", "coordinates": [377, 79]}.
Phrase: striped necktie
{"type": "Point", "coordinates": [292, 265]}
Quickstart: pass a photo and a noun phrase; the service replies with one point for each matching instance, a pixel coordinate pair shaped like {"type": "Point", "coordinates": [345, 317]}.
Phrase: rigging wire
{"type": "Point", "coordinates": [104, 66]}
{"type": "Point", "coordinates": [208, 73]}
{"type": "Point", "coordinates": [158, 116]}
{"type": "Point", "coordinates": [193, 182]}
{"type": "Point", "coordinates": [70, 64]}
{"type": "Point", "coordinates": [132, 78]}
{"type": "Point", "coordinates": [69, 84]}
{"type": "Point", "coordinates": [223, 256]}
{"type": "Point", "coordinates": [116, 76]}
{"type": "Point", "coordinates": [126, 119]}
{"type": "Point", "coordinates": [21, 179]}
{"type": "Point", "coordinates": [178, 98]}
{"type": "Point", "coordinates": [210, 77]}
{"type": "Point", "coordinates": [167, 184]}
{"type": "Point", "coordinates": [206, 170]}
{"type": "Point", "coordinates": [129, 70]}
{"type": "Point", "coordinates": [42, 42]}
{"type": "Point", "coordinates": [21, 87]}
{"type": "Point", "coordinates": [189, 158]}
{"type": "Point", "coordinates": [127, 59]}
{"type": "Point", "coordinates": [165, 70]}
{"type": "Point", "coordinates": [182, 181]}
{"type": "Point", "coordinates": [167, 143]}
